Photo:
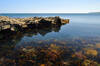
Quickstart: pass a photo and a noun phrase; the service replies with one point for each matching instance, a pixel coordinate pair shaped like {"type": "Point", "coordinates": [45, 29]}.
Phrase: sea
{"type": "Point", "coordinates": [81, 36]}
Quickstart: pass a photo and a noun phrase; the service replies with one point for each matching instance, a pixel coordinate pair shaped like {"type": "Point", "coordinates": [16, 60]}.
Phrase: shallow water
{"type": "Point", "coordinates": [78, 42]}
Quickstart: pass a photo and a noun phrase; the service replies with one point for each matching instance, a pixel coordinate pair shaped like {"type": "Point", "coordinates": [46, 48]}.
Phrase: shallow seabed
{"type": "Point", "coordinates": [73, 44]}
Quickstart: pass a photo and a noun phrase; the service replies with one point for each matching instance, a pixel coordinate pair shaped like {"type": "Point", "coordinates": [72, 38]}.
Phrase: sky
{"type": "Point", "coordinates": [49, 6]}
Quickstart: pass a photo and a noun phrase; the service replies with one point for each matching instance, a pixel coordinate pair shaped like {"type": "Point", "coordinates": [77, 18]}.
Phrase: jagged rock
{"type": "Point", "coordinates": [10, 23]}
{"type": "Point", "coordinates": [64, 21]}
{"type": "Point", "coordinates": [57, 20]}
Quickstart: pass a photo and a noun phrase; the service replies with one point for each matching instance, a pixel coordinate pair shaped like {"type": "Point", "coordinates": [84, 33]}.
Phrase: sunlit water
{"type": "Point", "coordinates": [81, 37]}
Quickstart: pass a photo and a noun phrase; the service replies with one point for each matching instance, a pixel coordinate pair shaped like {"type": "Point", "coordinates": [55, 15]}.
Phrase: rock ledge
{"type": "Point", "coordinates": [17, 24]}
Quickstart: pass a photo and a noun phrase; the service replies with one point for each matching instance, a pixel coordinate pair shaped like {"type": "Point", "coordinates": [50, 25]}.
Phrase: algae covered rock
{"type": "Point", "coordinates": [92, 52]}
{"type": "Point", "coordinates": [89, 63]}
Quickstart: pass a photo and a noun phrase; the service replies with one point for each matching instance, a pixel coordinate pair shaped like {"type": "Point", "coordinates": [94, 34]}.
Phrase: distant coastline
{"type": "Point", "coordinates": [94, 12]}
{"type": "Point", "coordinates": [54, 13]}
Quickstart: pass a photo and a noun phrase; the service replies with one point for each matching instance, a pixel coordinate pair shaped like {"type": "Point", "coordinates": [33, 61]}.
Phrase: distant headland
{"type": "Point", "coordinates": [94, 12]}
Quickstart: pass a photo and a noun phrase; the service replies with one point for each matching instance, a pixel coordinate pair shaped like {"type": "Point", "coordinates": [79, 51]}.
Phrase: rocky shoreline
{"type": "Point", "coordinates": [19, 24]}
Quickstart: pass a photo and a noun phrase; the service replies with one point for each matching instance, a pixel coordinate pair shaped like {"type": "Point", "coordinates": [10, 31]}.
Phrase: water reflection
{"type": "Point", "coordinates": [8, 35]}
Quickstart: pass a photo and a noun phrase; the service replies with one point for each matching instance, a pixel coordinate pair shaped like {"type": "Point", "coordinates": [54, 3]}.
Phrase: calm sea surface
{"type": "Point", "coordinates": [80, 37]}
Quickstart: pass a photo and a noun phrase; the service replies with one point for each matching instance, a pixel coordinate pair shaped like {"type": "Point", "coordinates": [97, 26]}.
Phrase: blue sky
{"type": "Point", "coordinates": [49, 6]}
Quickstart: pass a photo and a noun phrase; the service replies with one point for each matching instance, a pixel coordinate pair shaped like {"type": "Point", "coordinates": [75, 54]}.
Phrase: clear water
{"type": "Point", "coordinates": [83, 32]}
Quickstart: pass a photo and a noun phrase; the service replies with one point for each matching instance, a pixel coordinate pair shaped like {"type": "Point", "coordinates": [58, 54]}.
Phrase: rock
{"type": "Point", "coordinates": [28, 50]}
{"type": "Point", "coordinates": [44, 22]}
{"type": "Point", "coordinates": [91, 52]}
{"type": "Point", "coordinates": [97, 45]}
{"type": "Point", "coordinates": [12, 29]}
{"type": "Point", "coordinates": [24, 26]}
{"type": "Point", "coordinates": [89, 63]}
{"type": "Point", "coordinates": [5, 27]}
{"type": "Point", "coordinates": [57, 20]}
{"type": "Point", "coordinates": [32, 22]}
{"type": "Point", "coordinates": [64, 21]}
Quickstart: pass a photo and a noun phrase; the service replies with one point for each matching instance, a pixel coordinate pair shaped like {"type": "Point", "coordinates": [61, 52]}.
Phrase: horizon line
{"type": "Point", "coordinates": [48, 12]}
{"type": "Point", "coordinates": [40, 12]}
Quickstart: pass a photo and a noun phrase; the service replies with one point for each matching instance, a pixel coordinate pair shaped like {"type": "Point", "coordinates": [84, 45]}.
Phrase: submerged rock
{"type": "Point", "coordinates": [97, 45]}
{"type": "Point", "coordinates": [92, 52]}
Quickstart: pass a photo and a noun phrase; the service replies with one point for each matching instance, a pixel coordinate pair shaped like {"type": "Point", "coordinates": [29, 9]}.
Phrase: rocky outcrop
{"type": "Point", "coordinates": [17, 24]}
